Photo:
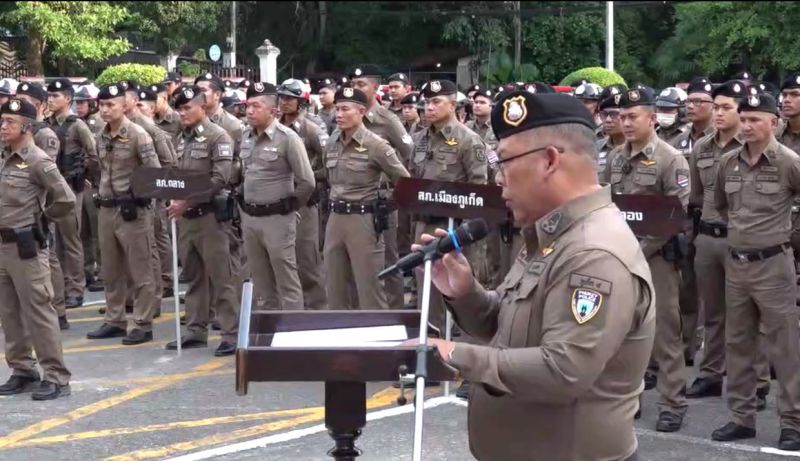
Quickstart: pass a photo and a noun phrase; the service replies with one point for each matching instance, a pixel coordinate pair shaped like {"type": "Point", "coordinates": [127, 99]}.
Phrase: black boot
{"type": "Point", "coordinates": [137, 336]}
{"type": "Point", "coordinates": [790, 440]}
{"type": "Point", "coordinates": [50, 391]}
{"type": "Point", "coordinates": [106, 331]}
{"type": "Point", "coordinates": [733, 431]}
{"type": "Point", "coordinates": [19, 385]}
{"type": "Point", "coordinates": [63, 324]}
{"type": "Point", "coordinates": [669, 422]}
{"type": "Point", "coordinates": [704, 387]}
{"type": "Point", "coordinates": [73, 301]}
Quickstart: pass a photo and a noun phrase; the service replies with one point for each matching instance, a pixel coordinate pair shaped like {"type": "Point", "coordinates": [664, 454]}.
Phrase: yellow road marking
{"type": "Point", "coordinates": [165, 317]}
{"type": "Point", "coordinates": [43, 426]}
{"type": "Point", "coordinates": [383, 398]}
{"type": "Point", "coordinates": [150, 379]}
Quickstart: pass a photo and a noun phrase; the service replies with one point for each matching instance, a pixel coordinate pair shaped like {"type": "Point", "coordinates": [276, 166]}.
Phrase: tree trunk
{"type": "Point", "coordinates": [34, 54]}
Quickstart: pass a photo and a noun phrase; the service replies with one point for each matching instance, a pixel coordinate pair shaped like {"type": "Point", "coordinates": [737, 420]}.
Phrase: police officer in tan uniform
{"type": "Point", "coordinates": [647, 165]}
{"type": "Point", "coordinates": [125, 223]}
{"type": "Point", "coordinates": [172, 81]}
{"type": "Point", "coordinates": [326, 92]}
{"type": "Point", "coordinates": [203, 241]}
{"type": "Point", "coordinates": [411, 119]}
{"type": "Point", "coordinates": [566, 337]}
{"type": "Point", "coordinates": [399, 87]}
{"type": "Point", "coordinates": [309, 260]}
{"type": "Point", "coordinates": [277, 179]}
{"type": "Point", "coordinates": [446, 151]}
{"type": "Point", "coordinates": [385, 124]}
{"type": "Point", "coordinates": [671, 115]}
{"type": "Point", "coordinates": [30, 185]}
{"type": "Point", "coordinates": [788, 134]}
{"type": "Point", "coordinates": [164, 116]}
{"type": "Point", "coordinates": [756, 185]}
{"type": "Point", "coordinates": [355, 159]}
{"type": "Point", "coordinates": [86, 109]}
{"type": "Point", "coordinates": [608, 111]}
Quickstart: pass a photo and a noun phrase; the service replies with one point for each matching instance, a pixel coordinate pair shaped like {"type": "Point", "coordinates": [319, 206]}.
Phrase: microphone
{"type": "Point", "coordinates": [464, 235]}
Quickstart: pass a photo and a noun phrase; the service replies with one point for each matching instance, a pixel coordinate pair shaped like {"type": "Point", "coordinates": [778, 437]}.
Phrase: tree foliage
{"type": "Point", "coordinates": [174, 25]}
{"type": "Point", "coordinates": [598, 75]}
{"type": "Point", "coordinates": [143, 74]}
{"type": "Point", "coordinates": [499, 69]}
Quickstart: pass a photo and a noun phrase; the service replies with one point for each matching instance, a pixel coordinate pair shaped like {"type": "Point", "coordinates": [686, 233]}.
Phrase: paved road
{"type": "Point", "coordinates": [145, 403]}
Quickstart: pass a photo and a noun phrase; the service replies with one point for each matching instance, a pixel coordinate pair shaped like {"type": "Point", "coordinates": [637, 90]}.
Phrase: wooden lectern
{"type": "Point", "coordinates": [345, 371]}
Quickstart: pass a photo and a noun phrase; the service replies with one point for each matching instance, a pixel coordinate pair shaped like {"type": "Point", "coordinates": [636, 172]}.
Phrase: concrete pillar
{"type": "Point", "coordinates": [268, 62]}
{"type": "Point", "coordinates": [170, 61]}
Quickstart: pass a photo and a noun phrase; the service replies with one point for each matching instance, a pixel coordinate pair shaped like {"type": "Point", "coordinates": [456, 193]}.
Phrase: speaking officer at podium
{"type": "Point", "coordinates": [567, 335]}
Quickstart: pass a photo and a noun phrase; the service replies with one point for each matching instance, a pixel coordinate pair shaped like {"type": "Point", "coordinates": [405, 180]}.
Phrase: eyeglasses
{"type": "Point", "coordinates": [612, 115]}
{"type": "Point", "coordinates": [698, 102]}
{"type": "Point", "coordinates": [499, 163]}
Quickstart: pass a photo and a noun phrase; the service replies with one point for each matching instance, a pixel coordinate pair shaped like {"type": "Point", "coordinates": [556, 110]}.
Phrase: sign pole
{"type": "Point", "coordinates": [175, 286]}
{"type": "Point", "coordinates": [448, 322]}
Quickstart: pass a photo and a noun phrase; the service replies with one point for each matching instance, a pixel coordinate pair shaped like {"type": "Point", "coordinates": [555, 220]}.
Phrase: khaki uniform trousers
{"type": "Point", "coordinates": [127, 248]}
{"type": "Point", "coordinates": [56, 275]}
{"type": "Point", "coordinates": [309, 260]}
{"type": "Point", "coordinates": [353, 256]}
{"type": "Point", "coordinates": [270, 245]}
{"type": "Point", "coordinates": [91, 248]}
{"type": "Point", "coordinates": [70, 250]}
{"type": "Point", "coordinates": [689, 301]}
{"type": "Point", "coordinates": [394, 283]}
{"type": "Point", "coordinates": [203, 245]}
{"type": "Point", "coordinates": [761, 294]}
{"type": "Point", "coordinates": [668, 347]}
{"type": "Point", "coordinates": [30, 323]}
{"type": "Point", "coordinates": [712, 253]}
{"type": "Point", "coordinates": [163, 242]}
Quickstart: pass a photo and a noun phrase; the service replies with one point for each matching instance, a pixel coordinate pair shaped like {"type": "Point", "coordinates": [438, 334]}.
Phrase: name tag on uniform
{"type": "Point", "coordinates": [270, 149]}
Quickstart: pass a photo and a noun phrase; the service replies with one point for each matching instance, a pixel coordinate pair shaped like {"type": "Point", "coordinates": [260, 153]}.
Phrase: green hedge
{"type": "Point", "coordinates": [144, 74]}
{"type": "Point", "coordinates": [598, 75]}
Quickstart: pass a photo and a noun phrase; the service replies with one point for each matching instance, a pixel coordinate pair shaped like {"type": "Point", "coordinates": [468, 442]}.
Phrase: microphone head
{"type": "Point", "coordinates": [472, 231]}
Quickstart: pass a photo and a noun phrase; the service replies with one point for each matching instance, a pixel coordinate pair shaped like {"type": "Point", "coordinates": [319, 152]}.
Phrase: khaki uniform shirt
{"type": "Point", "coordinates": [567, 337]}
{"type": "Point", "coordinates": [47, 140]}
{"type": "Point", "coordinates": [757, 200]}
{"type": "Point", "coordinates": [604, 148]}
{"type": "Point", "coordinates": [208, 147]}
{"type": "Point", "coordinates": [354, 169]}
{"type": "Point", "coordinates": [675, 135]}
{"type": "Point", "coordinates": [161, 141]}
{"type": "Point", "coordinates": [79, 138]}
{"type": "Point", "coordinates": [385, 124]}
{"type": "Point", "coordinates": [329, 117]}
{"type": "Point", "coordinates": [452, 153]}
{"type": "Point", "coordinates": [170, 122]}
{"type": "Point", "coordinates": [314, 139]}
{"type": "Point", "coordinates": [95, 123]}
{"type": "Point", "coordinates": [413, 128]}
{"type": "Point", "coordinates": [29, 180]}
{"type": "Point", "coordinates": [704, 165]}
{"type": "Point", "coordinates": [656, 170]}
{"type": "Point", "coordinates": [685, 141]}
{"type": "Point", "coordinates": [275, 166]}
{"type": "Point", "coordinates": [231, 125]}
{"type": "Point", "coordinates": [121, 153]}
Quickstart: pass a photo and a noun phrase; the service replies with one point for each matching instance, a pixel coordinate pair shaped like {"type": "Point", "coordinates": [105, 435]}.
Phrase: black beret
{"type": "Point", "coordinates": [261, 89]}
{"type": "Point", "coordinates": [367, 70]}
{"type": "Point", "coordinates": [60, 84]}
{"type": "Point", "coordinates": [521, 110]}
{"type": "Point", "coordinates": [636, 97]}
{"type": "Point", "coordinates": [187, 94]}
{"type": "Point", "coordinates": [769, 87]}
{"type": "Point", "coordinates": [147, 94]}
{"type": "Point", "coordinates": [349, 94]}
{"type": "Point", "coordinates": [326, 83]}
{"type": "Point", "coordinates": [755, 88]}
{"type": "Point", "coordinates": [743, 75]}
{"type": "Point", "coordinates": [480, 91]}
{"type": "Point", "coordinates": [19, 107]}
{"type": "Point", "coordinates": [215, 81]}
{"type": "Point", "coordinates": [700, 85]}
{"type": "Point", "coordinates": [611, 90]}
{"type": "Point", "coordinates": [129, 85]}
{"type": "Point", "coordinates": [244, 84]}
{"type": "Point", "coordinates": [792, 81]}
{"type": "Point", "coordinates": [398, 77]}
{"type": "Point", "coordinates": [610, 102]}
{"type": "Point", "coordinates": [439, 88]}
{"type": "Point", "coordinates": [731, 89]}
{"type": "Point", "coordinates": [410, 98]}
{"type": "Point", "coordinates": [33, 90]}
{"type": "Point", "coordinates": [110, 92]}
{"type": "Point", "coordinates": [538, 88]}
{"type": "Point", "coordinates": [763, 102]}
{"type": "Point", "coordinates": [228, 83]}
{"type": "Point", "coordinates": [172, 77]}
{"type": "Point", "coordinates": [158, 88]}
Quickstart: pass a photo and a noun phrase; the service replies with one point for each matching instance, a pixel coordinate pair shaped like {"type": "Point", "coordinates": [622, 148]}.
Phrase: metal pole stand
{"type": "Point", "coordinates": [175, 283]}
{"type": "Point", "coordinates": [421, 372]}
{"type": "Point", "coordinates": [448, 322]}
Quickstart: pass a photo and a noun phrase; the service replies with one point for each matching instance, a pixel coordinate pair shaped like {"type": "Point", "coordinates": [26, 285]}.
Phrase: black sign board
{"type": "Point", "coordinates": [172, 184]}
{"type": "Point", "coordinates": [451, 199]}
{"type": "Point", "coordinates": [651, 215]}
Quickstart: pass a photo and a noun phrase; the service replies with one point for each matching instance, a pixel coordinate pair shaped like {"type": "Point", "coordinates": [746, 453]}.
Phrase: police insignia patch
{"type": "Point", "coordinates": [258, 87]}
{"type": "Point", "coordinates": [224, 150]}
{"type": "Point", "coordinates": [585, 304]}
{"type": "Point", "coordinates": [707, 87]}
{"type": "Point", "coordinates": [348, 92]}
{"type": "Point", "coordinates": [14, 105]}
{"type": "Point", "coordinates": [753, 100]}
{"type": "Point", "coordinates": [357, 72]}
{"type": "Point", "coordinates": [514, 110]}
{"type": "Point", "coordinates": [436, 86]}
{"type": "Point", "coordinates": [113, 91]}
{"type": "Point", "coordinates": [737, 88]}
{"type": "Point", "coordinates": [633, 95]}
{"type": "Point", "coordinates": [550, 225]}
{"type": "Point", "coordinates": [58, 84]}
{"type": "Point", "coordinates": [188, 93]}
{"type": "Point", "coordinates": [407, 139]}
{"type": "Point", "coordinates": [617, 98]}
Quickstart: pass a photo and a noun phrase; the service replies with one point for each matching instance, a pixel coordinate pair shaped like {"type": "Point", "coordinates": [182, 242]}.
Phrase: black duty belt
{"type": "Point", "coordinates": [283, 206]}
{"type": "Point", "coordinates": [8, 235]}
{"type": "Point", "coordinates": [714, 230]}
{"type": "Point", "coordinates": [106, 202]}
{"type": "Point", "coordinates": [750, 256]}
{"type": "Point", "coordinates": [199, 211]}
{"type": "Point", "coordinates": [342, 207]}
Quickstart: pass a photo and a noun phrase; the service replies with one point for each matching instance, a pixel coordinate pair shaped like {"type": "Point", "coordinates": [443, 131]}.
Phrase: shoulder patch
{"type": "Point", "coordinates": [682, 177]}
{"type": "Point", "coordinates": [407, 139]}
{"type": "Point", "coordinates": [480, 152]}
{"type": "Point", "coordinates": [584, 281]}
{"type": "Point", "coordinates": [52, 142]}
{"type": "Point", "coordinates": [585, 304]}
{"type": "Point", "coordinates": [224, 150]}
{"type": "Point", "coordinates": [389, 153]}
{"type": "Point", "coordinates": [50, 168]}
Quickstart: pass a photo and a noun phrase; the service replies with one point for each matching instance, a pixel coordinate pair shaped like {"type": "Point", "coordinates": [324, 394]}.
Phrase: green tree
{"type": "Point", "coordinates": [70, 31]}
{"type": "Point", "coordinates": [174, 25]}
{"type": "Point", "coordinates": [499, 69]}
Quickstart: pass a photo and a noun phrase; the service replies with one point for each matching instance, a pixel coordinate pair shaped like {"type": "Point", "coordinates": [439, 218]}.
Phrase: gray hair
{"type": "Point", "coordinates": [573, 137]}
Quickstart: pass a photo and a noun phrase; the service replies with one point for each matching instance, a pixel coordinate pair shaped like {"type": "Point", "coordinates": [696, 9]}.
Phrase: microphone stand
{"type": "Point", "coordinates": [421, 371]}
{"type": "Point", "coordinates": [448, 323]}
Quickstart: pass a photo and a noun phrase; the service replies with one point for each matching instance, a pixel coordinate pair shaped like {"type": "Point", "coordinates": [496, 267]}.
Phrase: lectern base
{"type": "Point", "coordinates": [345, 416]}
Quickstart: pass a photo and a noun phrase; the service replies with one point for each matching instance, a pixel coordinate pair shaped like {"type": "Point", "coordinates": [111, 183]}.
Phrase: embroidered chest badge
{"type": "Point", "coordinates": [585, 304]}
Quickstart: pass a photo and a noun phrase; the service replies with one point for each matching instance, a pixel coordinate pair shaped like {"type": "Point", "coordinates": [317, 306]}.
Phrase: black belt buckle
{"type": "Point", "coordinates": [716, 231]}
{"type": "Point", "coordinates": [742, 257]}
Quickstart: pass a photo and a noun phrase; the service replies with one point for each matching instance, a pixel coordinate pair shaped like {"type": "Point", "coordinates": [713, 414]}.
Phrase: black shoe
{"type": "Point", "coordinates": [96, 286]}
{"type": "Point", "coordinates": [63, 324]}
{"type": "Point", "coordinates": [167, 293]}
{"type": "Point", "coordinates": [463, 391]}
{"type": "Point", "coordinates": [157, 314]}
{"type": "Point", "coordinates": [129, 308]}
{"type": "Point", "coordinates": [73, 301]}
{"type": "Point", "coordinates": [215, 325]}
{"type": "Point", "coordinates": [761, 403]}
{"type": "Point", "coordinates": [19, 385]}
{"type": "Point", "coordinates": [106, 331]}
{"type": "Point", "coordinates": [187, 343]}
{"type": "Point", "coordinates": [137, 336]}
{"type": "Point", "coordinates": [183, 319]}
{"type": "Point", "coordinates": [225, 349]}
{"type": "Point", "coordinates": [50, 391]}
{"type": "Point", "coordinates": [733, 431]}
{"type": "Point", "coordinates": [650, 380]}
{"type": "Point", "coordinates": [688, 359]}
{"type": "Point", "coordinates": [669, 422]}
{"type": "Point", "coordinates": [704, 387]}
{"type": "Point", "coordinates": [790, 440]}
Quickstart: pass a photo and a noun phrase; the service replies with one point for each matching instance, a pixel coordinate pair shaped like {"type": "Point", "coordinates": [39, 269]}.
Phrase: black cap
{"type": "Point", "coordinates": [399, 77]}
{"type": "Point", "coordinates": [326, 83]}
{"type": "Point", "coordinates": [481, 91]}
{"type": "Point", "coordinates": [700, 85]}
{"type": "Point", "coordinates": [610, 102]}
{"type": "Point", "coordinates": [731, 89]}
{"type": "Point", "coordinates": [61, 85]}
{"type": "Point", "coordinates": [147, 94]}
{"type": "Point", "coordinates": [187, 94]}
{"type": "Point", "coordinates": [172, 77]}
{"type": "Point", "coordinates": [349, 94]}
{"type": "Point", "coordinates": [367, 70]}
{"type": "Point", "coordinates": [261, 89]}
{"type": "Point", "coordinates": [520, 110]}
{"type": "Point", "coordinates": [763, 102]}
{"type": "Point", "coordinates": [33, 90]}
{"type": "Point", "coordinates": [20, 107]}
{"type": "Point", "coordinates": [792, 81]}
{"type": "Point", "coordinates": [158, 88]}
{"type": "Point", "coordinates": [538, 88]}
{"type": "Point", "coordinates": [743, 75]}
{"type": "Point", "coordinates": [410, 98]}
{"type": "Point", "coordinates": [215, 81]}
{"type": "Point", "coordinates": [110, 92]}
{"type": "Point", "coordinates": [611, 90]}
{"type": "Point", "coordinates": [439, 88]}
{"type": "Point", "coordinates": [769, 87]}
{"type": "Point", "coordinates": [636, 97]}
{"type": "Point", "coordinates": [244, 84]}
